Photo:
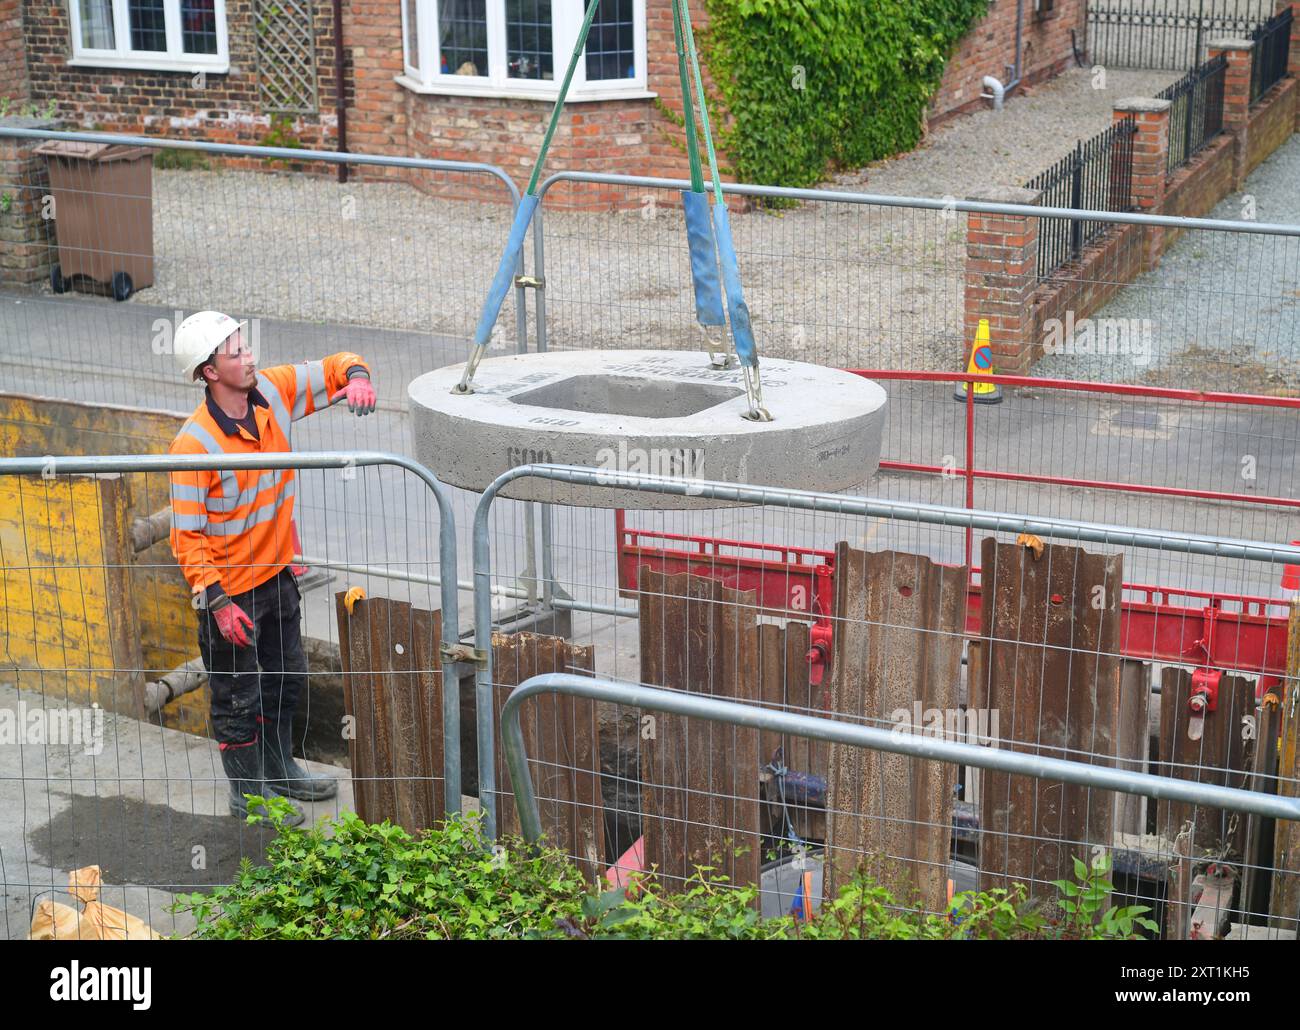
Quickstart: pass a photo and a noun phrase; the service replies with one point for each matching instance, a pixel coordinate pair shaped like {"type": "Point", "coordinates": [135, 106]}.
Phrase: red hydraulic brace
{"type": "Point", "coordinates": [819, 653]}
{"type": "Point", "coordinates": [1204, 697]}
{"type": "Point", "coordinates": [1205, 691]}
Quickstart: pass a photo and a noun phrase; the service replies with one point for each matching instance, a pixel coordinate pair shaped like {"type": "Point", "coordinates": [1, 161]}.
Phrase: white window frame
{"type": "Point", "coordinates": [566, 21]}
{"type": "Point", "coordinates": [175, 59]}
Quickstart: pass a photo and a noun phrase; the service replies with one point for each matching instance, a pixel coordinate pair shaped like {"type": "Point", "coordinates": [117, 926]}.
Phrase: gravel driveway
{"type": "Point", "coordinates": [1037, 127]}
{"type": "Point", "coordinates": [848, 284]}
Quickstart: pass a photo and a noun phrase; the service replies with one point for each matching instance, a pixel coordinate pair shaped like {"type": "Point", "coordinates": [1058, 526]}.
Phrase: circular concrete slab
{"type": "Point", "coordinates": [661, 412]}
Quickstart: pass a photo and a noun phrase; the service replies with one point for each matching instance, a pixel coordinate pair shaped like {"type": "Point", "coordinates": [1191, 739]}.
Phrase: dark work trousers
{"type": "Point", "coordinates": [242, 698]}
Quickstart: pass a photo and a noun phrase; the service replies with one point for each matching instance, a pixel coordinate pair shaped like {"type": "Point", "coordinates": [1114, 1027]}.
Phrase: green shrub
{"type": "Point", "coordinates": [707, 907]}
{"type": "Point", "coordinates": [1086, 908]}
{"type": "Point", "coordinates": [182, 160]}
{"type": "Point", "coordinates": [809, 85]}
{"type": "Point", "coordinates": [281, 134]}
{"type": "Point", "coordinates": [710, 909]}
{"type": "Point", "coordinates": [30, 109]}
{"type": "Point", "coordinates": [352, 880]}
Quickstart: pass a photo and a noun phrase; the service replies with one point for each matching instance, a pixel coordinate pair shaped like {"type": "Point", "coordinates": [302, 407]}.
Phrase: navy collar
{"type": "Point", "coordinates": [228, 425]}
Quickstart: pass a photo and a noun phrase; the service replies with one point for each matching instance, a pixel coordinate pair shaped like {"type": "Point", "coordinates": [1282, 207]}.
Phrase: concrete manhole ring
{"type": "Point", "coordinates": [664, 412]}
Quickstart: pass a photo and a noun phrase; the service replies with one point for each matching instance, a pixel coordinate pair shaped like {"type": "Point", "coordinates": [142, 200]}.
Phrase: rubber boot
{"type": "Point", "coordinates": [243, 767]}
{"type": "Point", "coordinates": [283, 774]}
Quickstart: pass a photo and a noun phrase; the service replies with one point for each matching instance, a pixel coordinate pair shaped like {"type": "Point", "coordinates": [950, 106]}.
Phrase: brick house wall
{"type": "Point", "coordinates": [13, 53]}
{"type": "Point", "coordinates": [221, 108]}
{"type": "Point", "coordinates": [631, 135]}
{"type": "Point", "coordinates": [628, 136]}
{"type": "Point", "coordinates": [990, 49]}
{"type": "Point", "coordinates": [378, 108]}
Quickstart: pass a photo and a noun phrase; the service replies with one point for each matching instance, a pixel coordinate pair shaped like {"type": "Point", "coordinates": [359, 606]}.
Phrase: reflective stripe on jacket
{"type": "Point", "coordinates": [232, 530]}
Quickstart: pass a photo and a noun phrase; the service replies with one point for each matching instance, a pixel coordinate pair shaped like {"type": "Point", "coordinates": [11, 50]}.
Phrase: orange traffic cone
{"type": "Point", "coordinates": [981, 363]}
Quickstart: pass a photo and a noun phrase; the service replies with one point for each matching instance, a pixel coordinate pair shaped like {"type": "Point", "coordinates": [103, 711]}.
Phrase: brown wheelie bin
{"type": "Point", "coordinates": [103, 216]}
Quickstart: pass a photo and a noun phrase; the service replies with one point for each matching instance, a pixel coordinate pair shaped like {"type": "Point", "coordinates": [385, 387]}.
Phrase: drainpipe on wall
{"type": "Point", "coordinates": [340, 99]}
{"type": "Point", "coordinates": [998, 91]}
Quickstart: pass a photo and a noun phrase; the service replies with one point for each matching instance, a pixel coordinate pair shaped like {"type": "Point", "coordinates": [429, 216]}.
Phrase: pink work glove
{"type": "Point", "coordinates": [231, 620]}
{"type": "Point", "coordinates": [360, 395]}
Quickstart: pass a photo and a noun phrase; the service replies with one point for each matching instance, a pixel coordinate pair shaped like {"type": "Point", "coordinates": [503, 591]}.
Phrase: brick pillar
{"type": "Point", "coordinates": [1293, 64]}
{"type": "Point", "coordinates": [1001, 275]}
{"type": "Point", "coordinates": [1150, 159]}
{"type": "Point", "coordinates": [1236, 99]}
{"type": "Point", "coordinates": [26, 242]}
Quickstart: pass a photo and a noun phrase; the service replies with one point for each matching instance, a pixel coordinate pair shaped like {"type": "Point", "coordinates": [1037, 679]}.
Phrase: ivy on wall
{"type": "Point", "coordinates": [810, 85]}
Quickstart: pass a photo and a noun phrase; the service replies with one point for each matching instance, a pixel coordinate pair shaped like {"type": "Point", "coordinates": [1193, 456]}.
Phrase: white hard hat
{"type": "Point", "coordinates": [198, 336]}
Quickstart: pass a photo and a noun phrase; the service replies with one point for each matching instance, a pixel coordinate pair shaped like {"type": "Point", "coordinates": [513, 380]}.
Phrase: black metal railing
{"type": "Point", "coordinates": [1170, 34]}
{"type": "Point", "coordinates": [1096, 176]}
{"type": "Point", "coordinates": [1195, 111]}
{"type": "Point", "coordinates": [1268, 60]}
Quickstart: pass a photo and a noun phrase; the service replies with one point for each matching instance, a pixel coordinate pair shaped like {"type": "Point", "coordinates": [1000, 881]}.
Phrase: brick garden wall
{"type": "Point", "coordinates": [1001, 251]}
{"type": "Point", "coordinates": [1107, 266]}
{"type": "Point", "coordinates": [1002, 283]}
{"type": "Point", "coordinates": [1198, 186]}
{"type": "Point", "coordinates": [1195, 189]}
{"type": "Point", "coordinates": [1272, 120]}
{"type": "Point", "coordinates": [24, 234]}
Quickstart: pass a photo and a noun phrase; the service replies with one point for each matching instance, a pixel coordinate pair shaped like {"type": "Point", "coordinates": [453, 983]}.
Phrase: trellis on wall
{"type": "Point", "coordinates": [286, 56]}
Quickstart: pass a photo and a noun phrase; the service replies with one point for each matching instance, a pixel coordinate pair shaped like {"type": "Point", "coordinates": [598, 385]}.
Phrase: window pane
{"type": "Point", "coordinates": [528, 39]}
{"type": "Point", "coordinates": [199, 26]}
{"type": "Point", "coordinates": [611, 50]}
{"type": "Point", "coordinates": [462, 35]}
{"type": "Point", "coordinates": [148, 27]}
{"type": "Point", "coordinates": [413, 33]}
{"type": "Point", "coordinates": [97, 25]}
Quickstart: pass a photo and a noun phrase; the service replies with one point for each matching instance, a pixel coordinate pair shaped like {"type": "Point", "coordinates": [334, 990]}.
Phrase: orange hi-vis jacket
{"type": "Point", "coordinates": [232, 530]}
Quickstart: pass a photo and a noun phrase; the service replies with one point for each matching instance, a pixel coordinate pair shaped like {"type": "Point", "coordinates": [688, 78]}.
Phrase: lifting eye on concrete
{"type": "Point", "coordinates": [754, 392]}
{"type": "Point", "coordinates": [464, 386]}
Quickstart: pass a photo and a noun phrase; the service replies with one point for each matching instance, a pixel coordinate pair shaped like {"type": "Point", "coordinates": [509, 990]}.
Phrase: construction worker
{"type": "Point", "coordinates": [232, 534]}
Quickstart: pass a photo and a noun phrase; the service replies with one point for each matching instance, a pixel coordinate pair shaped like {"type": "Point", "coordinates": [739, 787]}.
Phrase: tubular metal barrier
{"type": "Point", "coordinates": [384, 265]}
{"type": "Point", "coordinates": [874, 614]}
{"type": "Point", "coordinates": [714, 709]}
{"type": "Point", "coordinates": [104, 715]}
